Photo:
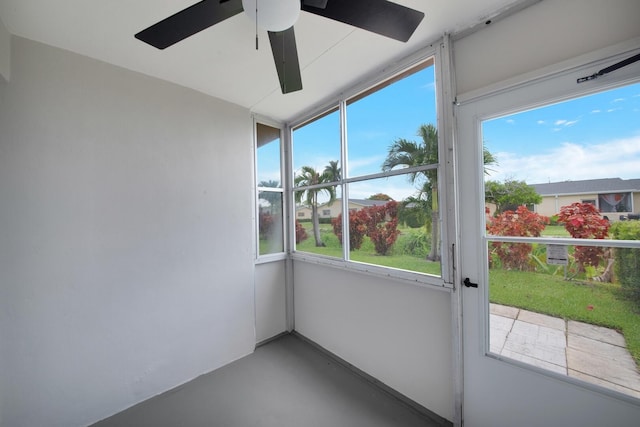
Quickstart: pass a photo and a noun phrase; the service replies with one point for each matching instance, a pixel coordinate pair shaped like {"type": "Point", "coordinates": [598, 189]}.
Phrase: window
{"type": "Point", "coordinates": [376, 157]}
{"type": "Point", "coordinates": [270, 192]}
{"type": "Point", "coordinates": [564, 284]}
{"type": "Point", "coordinates": [615, 202]}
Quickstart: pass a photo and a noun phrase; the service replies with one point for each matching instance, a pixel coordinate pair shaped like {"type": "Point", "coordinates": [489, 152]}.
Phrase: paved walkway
{"type": "Point", "coordinates": [591, 353]}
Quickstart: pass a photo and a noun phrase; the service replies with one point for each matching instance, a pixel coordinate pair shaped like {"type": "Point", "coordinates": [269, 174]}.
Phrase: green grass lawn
{"type": "Point", "coordinates": [367, 252]}
{"type": "Point", "coordinates": [555, 231]}
{"type": "Point", "coordinates": [602, 304]}
{"type": "Point", "coordinates": [596, 303]}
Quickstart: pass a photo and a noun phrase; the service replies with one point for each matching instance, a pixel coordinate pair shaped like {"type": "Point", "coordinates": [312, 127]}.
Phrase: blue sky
{"type": "Point", "coordinates": [374, 123]}
{"type": "Point", "coordinates": [597, 136]}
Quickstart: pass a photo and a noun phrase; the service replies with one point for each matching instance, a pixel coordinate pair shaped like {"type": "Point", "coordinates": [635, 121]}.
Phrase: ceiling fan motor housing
{"type": "Point", "coordinates": [272, 15]}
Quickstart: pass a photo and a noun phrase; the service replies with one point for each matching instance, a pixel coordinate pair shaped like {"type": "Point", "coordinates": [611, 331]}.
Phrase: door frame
{"type": "Point", "coordinates": [527, 395]}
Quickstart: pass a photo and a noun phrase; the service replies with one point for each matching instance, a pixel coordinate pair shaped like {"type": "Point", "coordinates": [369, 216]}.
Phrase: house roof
{"type": "Point", "coordinates": [368, 202]}
{"type": "Point", "coordinates": [361, 202]}
{"type": "Point", "coordinates": [605, 185]}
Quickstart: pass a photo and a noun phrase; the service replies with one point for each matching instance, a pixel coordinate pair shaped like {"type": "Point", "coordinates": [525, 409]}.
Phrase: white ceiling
{"type": "Point", "coordinates": [222, 60]}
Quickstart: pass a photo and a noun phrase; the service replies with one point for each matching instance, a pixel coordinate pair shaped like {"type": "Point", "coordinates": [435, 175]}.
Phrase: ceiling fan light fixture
{"type": "Point", "coordinates": [273, 15]}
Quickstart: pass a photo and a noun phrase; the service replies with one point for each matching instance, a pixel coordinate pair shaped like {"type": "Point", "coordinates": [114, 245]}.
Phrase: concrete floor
{"type": "Point", "coordinates": [591, 353]}
{"type": "Point", "coordinates": [287, 382]}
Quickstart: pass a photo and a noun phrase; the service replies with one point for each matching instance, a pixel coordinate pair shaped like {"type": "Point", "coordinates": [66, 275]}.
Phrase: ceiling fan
{"type": "Point", "coordinates": [379, 16]}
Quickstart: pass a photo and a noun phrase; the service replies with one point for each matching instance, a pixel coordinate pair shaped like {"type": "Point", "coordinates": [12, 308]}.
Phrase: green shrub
{"type": "Point", "coordinates": [413, 217]}
{"type": "Point", "coordinates": [627, 266]}
{"type": "Point", "coordinates": [415, 243]}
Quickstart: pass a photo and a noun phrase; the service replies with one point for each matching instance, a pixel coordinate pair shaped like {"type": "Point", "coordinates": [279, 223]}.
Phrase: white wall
{"type": "Point", "coordinates": [546, 33]}
{"type": "Point", "coordinates": [271, 309]}
{"type": "Point", "coordinates": [5, 52]}
{"type": "Point", "coordinates": [125, 238]}
{"type": "Point", "coordinates": [399, 333]}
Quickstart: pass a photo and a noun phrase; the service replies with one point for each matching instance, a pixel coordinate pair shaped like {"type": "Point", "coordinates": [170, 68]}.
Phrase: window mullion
{"type": "Point", "coordinates": [345, 190]}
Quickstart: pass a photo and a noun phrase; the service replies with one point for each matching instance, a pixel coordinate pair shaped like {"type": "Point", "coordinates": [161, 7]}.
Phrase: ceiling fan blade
{"type": "Point", "coordinates": [285, 56]}
{"type": "Point", "coordinates": [379, 16]}
{"type": "Point", "coordinates": [189, 21]}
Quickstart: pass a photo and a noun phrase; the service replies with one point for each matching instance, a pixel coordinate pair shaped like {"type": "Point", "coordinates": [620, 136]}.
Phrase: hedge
{"type": "Point", "coordinates": [627, 265]}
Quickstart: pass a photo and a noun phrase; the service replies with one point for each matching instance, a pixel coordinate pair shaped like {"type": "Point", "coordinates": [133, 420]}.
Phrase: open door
{"type": "Point", "coordinates": [549, 333]}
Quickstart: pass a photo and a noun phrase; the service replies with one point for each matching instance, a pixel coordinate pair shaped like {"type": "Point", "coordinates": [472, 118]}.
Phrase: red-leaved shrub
{"type": "Point", "coordinates": [383, 226]}
{"type": "Point", "coordinates": [301, 233]}
{"type": "Point", "coordinates": [357, 228]}
{"type": "Point", "coordinates": [583, 221]}
{"type": "Point", "coordinates": [521, 223]}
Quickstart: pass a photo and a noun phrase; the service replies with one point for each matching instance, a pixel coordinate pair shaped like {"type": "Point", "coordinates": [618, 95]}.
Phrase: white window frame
{"type": "Point", "coordinates": [440, 53]}
{"type": "Point", "coordinates": [277, 256]}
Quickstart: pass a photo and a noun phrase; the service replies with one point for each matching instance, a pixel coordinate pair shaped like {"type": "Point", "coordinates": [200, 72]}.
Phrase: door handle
{"type": "Point", "coordinates": [469, 284]}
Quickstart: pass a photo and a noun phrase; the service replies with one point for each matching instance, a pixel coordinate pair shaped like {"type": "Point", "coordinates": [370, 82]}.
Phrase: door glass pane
{"type": "Point", "coordinates": [572, 171]}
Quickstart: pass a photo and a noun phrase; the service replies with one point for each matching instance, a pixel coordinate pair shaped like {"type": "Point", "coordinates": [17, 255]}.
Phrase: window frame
{"type": "Point", "coordinates": [275, 256]}
{"type": "Point", "coordinates": [436, 55]}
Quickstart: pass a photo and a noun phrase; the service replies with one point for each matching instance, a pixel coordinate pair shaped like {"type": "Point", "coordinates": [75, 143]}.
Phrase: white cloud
{"type": "Point", "coordinates": [540, 122]}
{"type": "Point", "coordinates": [596, 111]}
{"type": "Point", "coordinates": [618, 100]}
{"type": "Point", "coordinates": [365, 165]}
{"type": "Point", "coordinates": [618, 158]}
{"type": "Point", "coordinates": [565, 123]}
{"type": "Point", "coordinates": [429, 86]}
{"type": "Point", "coordinates": [510, 121]}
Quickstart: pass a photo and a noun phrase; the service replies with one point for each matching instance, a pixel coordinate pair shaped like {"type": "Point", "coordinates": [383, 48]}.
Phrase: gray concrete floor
{"type": "Point", "coordinates": [591, 353]}
{"type": "Point", "coordinates": [287, 382]}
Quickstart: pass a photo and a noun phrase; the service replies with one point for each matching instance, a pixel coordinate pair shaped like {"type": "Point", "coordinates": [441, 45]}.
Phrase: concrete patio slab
{"type": "Point", "coordinates": [606, 368]}
{"type": "Point", "coordinates": [591, 353]}
{"type": "Point", "coordinates": [542, 319]}
{"type": "Point", "coordinates": [596, 332]}
{"type": "Point", "coordinates": [500, 329]}
{"type": "Point", "coordinates": [535, 362]}
{"type": "Point", "coordinates": [504, 310]}
{"type": "Point", "coordinates": [537, 341]}
{"type": "Point", "coordinates": [603, 383]}
{"type": "Point", "coordinates": [605, 349]}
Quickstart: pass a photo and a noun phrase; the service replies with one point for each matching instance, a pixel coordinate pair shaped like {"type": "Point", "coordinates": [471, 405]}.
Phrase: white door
{"type": "Point", "coordinates": [527, 382]}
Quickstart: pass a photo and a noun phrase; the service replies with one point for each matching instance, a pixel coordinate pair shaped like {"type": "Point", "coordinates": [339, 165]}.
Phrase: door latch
{"type": "Point", "coordinates": [469, 284]}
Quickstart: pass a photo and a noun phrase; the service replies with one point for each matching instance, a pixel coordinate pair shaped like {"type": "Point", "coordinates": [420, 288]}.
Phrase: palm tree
{"type": "Point", "coordinates": [332, 171]}
{"type": "Point", "coordinates": [488, 159]}
{"type": "Point", "coordinates": [308, 176]}
{"type": "Point", "coordinates": [406, 153]}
